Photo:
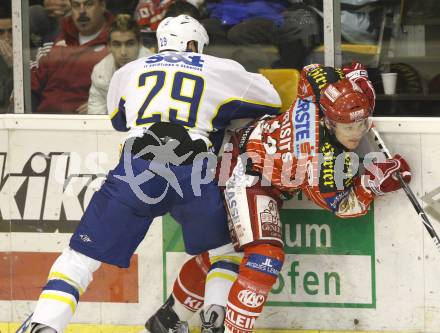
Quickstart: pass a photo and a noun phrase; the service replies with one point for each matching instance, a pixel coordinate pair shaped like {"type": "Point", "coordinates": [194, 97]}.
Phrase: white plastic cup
{"type": "Point", "coordinates": [389, 81]}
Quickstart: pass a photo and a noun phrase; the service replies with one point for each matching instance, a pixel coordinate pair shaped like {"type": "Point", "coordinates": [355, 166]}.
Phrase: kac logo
{"type": "Point", "coordinates": [250, 298]}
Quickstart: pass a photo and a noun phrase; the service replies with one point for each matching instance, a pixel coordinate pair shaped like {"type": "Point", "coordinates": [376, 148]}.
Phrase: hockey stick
{"type": "Point", "coordinates": [25, 324]}
{"type": "Point", "coordinates": [409, 193]}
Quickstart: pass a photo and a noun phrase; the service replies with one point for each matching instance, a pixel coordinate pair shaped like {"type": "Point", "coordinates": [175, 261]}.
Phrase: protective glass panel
{"type": "Point", "coordinates": [398, 41]}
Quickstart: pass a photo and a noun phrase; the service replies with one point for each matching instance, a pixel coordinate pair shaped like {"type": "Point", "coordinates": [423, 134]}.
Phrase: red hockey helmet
{"type": "Point", "coordinates": [345, 102]}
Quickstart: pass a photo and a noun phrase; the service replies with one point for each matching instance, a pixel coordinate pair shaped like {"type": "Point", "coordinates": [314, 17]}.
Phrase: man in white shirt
{"type": "Point", "coordinates": [125, 46]}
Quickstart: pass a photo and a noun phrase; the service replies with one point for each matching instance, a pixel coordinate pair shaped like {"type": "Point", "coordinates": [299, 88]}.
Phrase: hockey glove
{"type": "Point", "coordinates": [380, 177]}
{"type": "Point", "coordinates": [358, 74]}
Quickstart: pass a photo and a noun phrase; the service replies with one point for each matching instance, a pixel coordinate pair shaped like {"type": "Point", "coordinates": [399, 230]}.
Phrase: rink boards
{"type": "Point", "coordinates": [376, 273]}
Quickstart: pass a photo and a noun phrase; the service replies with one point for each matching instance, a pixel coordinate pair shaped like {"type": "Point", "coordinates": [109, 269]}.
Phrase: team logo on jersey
{"type": "Point", "coordinates": [269, 218]}
{"type": "Point", "coordinates": [304, 115]}
{"type": "Point", "coordinates": [334, 178]}
{"type": "Point", "coordinates": [176, 59]}
{"type": "Point", "coordinates": [321, 76]}
{"type": "Point", "coordinates": [328, 167]}
{"type": "Point", "coordinates": [285, 143]}
{"type": "Point", "coordinates": [334, 201]}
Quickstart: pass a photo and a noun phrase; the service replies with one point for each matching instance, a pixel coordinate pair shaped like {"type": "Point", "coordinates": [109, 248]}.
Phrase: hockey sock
{"type": "Point", "coordinates": [222, 274]}
{"type": "Point", "coordinates": [186, 298]}
{"type": "Point", "coordinates": [258, 273]}
{"type": "Point", "coordinates": [189, 287]}
{"type": "Point", "coordinates": [69, 277]}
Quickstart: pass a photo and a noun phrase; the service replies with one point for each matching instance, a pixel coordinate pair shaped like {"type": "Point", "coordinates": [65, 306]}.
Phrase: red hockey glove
{"type": "Point", "coordinates": [380, 177]}
{"type": "Point", "coordinates": [355, 66]}
{"type": "Point", "coordinates": [358, 74]}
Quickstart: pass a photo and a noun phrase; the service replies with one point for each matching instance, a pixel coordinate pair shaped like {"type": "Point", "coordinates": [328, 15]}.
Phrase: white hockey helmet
{"type": "Point", "coordinates": [174, 33]}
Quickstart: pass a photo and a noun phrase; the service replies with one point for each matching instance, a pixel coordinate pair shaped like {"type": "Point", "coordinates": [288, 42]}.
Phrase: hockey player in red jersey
{"type": "Point", "coordinates": [308, 148]}
{"type": "Point", "coordinates": [298, 151]}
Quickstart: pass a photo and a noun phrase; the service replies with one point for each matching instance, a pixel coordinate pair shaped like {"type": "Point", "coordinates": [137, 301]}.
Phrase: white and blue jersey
{"type": "Point", "coordinates": [183, 93]}
{"type": "Point", "coordinates": [200, 92]}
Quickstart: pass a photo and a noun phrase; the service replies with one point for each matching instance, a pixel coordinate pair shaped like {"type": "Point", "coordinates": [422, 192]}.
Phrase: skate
{"type": "Point", "coordinates": [213, 319]}
{"type": "Point", "coordinates": [165, 320]}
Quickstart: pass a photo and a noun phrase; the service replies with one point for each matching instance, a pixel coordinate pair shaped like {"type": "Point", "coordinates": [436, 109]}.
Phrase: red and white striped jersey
{"type": "Point", "coordinates": [294, 151]}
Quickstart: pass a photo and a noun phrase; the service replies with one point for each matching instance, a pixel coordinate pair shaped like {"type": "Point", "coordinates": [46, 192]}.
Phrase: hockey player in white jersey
{"type": "Point", "coordinates": [175, 106]}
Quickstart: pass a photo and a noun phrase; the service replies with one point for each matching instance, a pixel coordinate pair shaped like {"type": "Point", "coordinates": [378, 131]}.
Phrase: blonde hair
{"type": "Point", "coordinates": [125, 23]}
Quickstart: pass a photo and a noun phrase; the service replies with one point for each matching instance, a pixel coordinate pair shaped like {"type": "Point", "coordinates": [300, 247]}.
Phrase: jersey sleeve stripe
{"type": "Point", "coordinates": [235, 108]}
{"type": "Point", "coordinates": [118, 118]}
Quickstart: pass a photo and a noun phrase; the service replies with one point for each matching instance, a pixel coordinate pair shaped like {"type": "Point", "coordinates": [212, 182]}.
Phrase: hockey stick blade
{"type": "Point", "coordinates": [409, 193]}
{"type": "Point", "coordinates": [23, 328]}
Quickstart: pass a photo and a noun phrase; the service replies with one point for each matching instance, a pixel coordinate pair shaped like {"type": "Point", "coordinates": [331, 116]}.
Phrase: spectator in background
{"type": "Point", "coordinates": [180, 7]}
{"type": "Point", "coordinates": [295, 27]}
{"type": "Point", "coordinates": [125, 46]}
{"type": "Point", "coordinates": [45, 26]}
{"type": "Point", "coordinates": [360, 19]}
{"type": "Point", "coordinates": [61, 81]}
{"type": "Point", "coordinates": [45, 23]}
{"type": "Point", "coordinates": [6, 65]}
{"type": "Point", "coordinates": [292, 28]}
{"type": "Point", "coordinates": [121, 6]}
{"type": "Point", "coordinates": [226, 15]}
{"type": "Point", "coordinates": [149, 13]}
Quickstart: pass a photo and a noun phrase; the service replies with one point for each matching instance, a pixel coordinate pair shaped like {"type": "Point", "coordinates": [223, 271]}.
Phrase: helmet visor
{"type": "Point", "coordinates": [357, 128]}
{"type": "Point", "coordinates": [350, 134]}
